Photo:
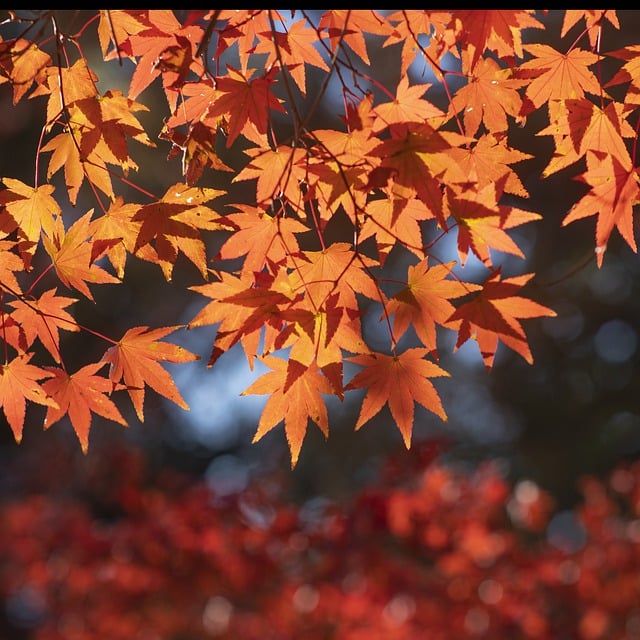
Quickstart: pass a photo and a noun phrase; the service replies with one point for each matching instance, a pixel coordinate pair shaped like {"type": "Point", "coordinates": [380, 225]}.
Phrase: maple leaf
{"type": "Point", "coordinates": [279, 172]}
{"type": "Point", "coordinates": [33, 211]}
{"type": "Point", "coordinates": [43, 318]}
{"type": "Point", "coordinates": [19, 382]}
{"type": "Point", "coordinates": [593, 18]}
{"type": "Point", "coordinates": [260, 237]}
{"type": "Point", "coordinates": [294, 397]}
{"type": "Point", "coordinates": [399, 381]}
{"type": "Point", "coordinates": [115, 27]}
{"type": "Point", "coordinates": [22, 63]}
{"type": "Point", "coordinates": [490, 96]}
{"type": "Point", "coordinates": [164, 47]}
{"type": "Point", "coordinates": [66, 154]}
{"type": "Point", "coordinates": [246, 103]}
{"type": "Point", "coordinates": [487, 161]}
{"type": "Point", "coordinates": [10, 263]}
{"type": "Point", "coordinates": [70, 254]}
{"type": "Point", "coordinates": [403, 28]}
{"type": "Point", "coordinates": [395, 219]}
{"type": "Point", "coordinates": [242, 308]}
{"type": "Point", "coordinates": [115, 234]}
{"type": "Point", "coordinates": [173, 223]}
{"type": "Point", "coordinates": [425, 301]}
{"type": "Point", "coordinates": [65, 86]}
{"type": "Point", "coordinates": [499, 31]}
{"type": "Point", "coordinates": [408, 106]}
{"type": "Point", "coordinates": [292, 49]}
{"type": "Point", "coordinates": [78, 395]}
{"type": "Point", "coordinates": [558, 76]}
{"type": "Point", "coordinates": [198, 149]}
{"type": "Point", "coordinates": [483, 224]}
{"type": "Point", "coordinates": [494, 313]}
{"type": "Point", "coordinates": [346, 27]}
{"type": "Point", "coordinates": [614, 192]}
{"type": "Point", "coordinates": [337, 268]}
{"type": "Point", "coordinates": [629, 72]}
{"type": "Point", "coordinates": [135, 360]}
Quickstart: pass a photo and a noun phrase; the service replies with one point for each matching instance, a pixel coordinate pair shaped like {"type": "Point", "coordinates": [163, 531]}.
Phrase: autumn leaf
{"type": "Point", "coordinates": [241, 308]}
{"type": "Point", "coordinates": [294, 396]}
{"type": "Point", "coordinates": [70, 254]}
{"type": "Point", "coordinates": [43, 318]}
{"type": "Point", "coordinates": [19, 383]}
{"type": "Point", "coordinates": [293, 48]}
{"type": "Point", "coordinates": [33, 211]}
{"type": "Point", "coordinates": [558, 76]}
{"type": "Point", "coordinates": [260, 237]}
{"type": "Point", "coordinates": [408, 106]}
{"type": "Point", "coordinates": [21, 63]}
{"type": "Point", "coordinates": [399, 381]}
{"type": "Point", "coordinates": [78, 395]}
{"type": "Point", "coordinates": [425, 301]}
{"type": "Point", "coordinates": [490, 96]}
{"type": "Point", "coordinates": [614, 192]}
{"type": "Point", "coordinates": [500, 31]}
{"type": "Point", "coordinates": [172, 225]}
{"type": "Point", "coordinates": [494, 313]}
{"type": "Point", "coordinates": [483, 223]}
{"type": "Point", "coordinates": [135, 360]}
{"type": "Point", "coordinates": [278, 171]}
{"type": "Point", "coordinates": [246, 102]}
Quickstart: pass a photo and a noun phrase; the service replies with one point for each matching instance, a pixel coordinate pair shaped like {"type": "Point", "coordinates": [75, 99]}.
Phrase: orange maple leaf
{"type": "Point", "coordinates": [394, 220]}
{"type": "Point", "coordinates": [500, 31]}
{"type": "Point", "coordinates": [10, 264]}
{"type": "Point", "coordinates": [163, 47]}
{"type": "Point", "coordinates": [135, 360]}
{"type": "Point", "coordinates": [246, 103]}
{"type": "Point", "coordinates": [337, 268]}
{"type": "Point", "coordinates": [347, 27]}
{"type": "Point", "coordinates": [494, 313]}
{"type": "Point", "coordinates": [19, 382]}
{"type": "Point", "coordinates": [294, 396]}
{"type": "Point", "coordinates": [399, 381]}
{"type": "Point", "coordinates": [490, 96]}
{"type": "Point", "coordinates": [408, 106]}
{"type": "Point", "coordinates": [78, 395]}
{"type": "Point", "coordinates": [279, 172]}
{"type": "Point", "coordinates": [557, 75]}
{"type": "Point", "coordinates": [70, 254]}
{"type": "Point", "coordinates": [425, 301]}
{"type": "Point", "coordinates": [33, 211]}
{"type": "Point", "coordinates": [292, 49]}
{"type": "Point", "coordinates": [115, 234]}
{"type": "Point", "coordinates": [21, 63]}
{"type": "Point", "coordinates": [260, 237]}
{"type": "Point", "coordinates": [614, 192]}
{"type": "Point", "coordinates": [43, 318]}
{"type": "Point", "coordinates": [594, 18]}
{"type": "Point", "coordinates": [483, 224]}
{"type": "Point", "coordinates": [173, 224]}
{"type": "Point", "coordinates": [242, 308]}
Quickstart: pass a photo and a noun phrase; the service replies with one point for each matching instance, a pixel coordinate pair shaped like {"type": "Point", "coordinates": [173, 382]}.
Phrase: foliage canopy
{"type": "Point", "coordinates": [325, 225]}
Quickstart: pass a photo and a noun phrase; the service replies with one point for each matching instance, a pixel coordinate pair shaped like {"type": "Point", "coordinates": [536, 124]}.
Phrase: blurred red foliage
{"type": "Point", "coordinates": [432, 551]}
